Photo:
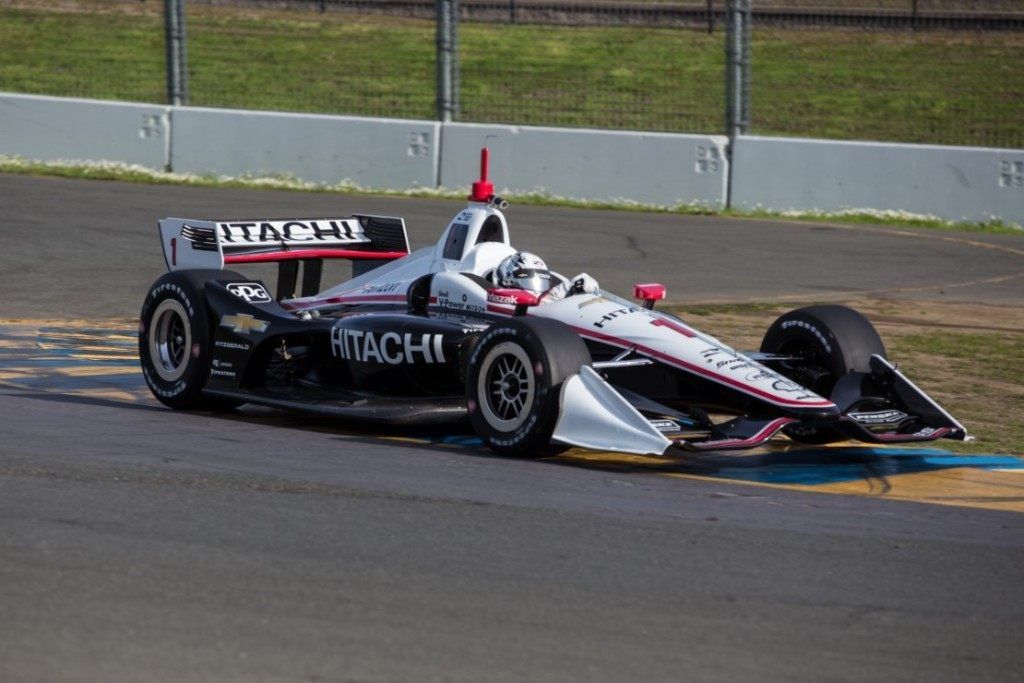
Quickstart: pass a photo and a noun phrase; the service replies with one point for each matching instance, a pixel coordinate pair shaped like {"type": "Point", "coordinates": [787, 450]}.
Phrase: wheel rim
{"type": "Point", "coordinates": [506, 386]}
{"type": "Point", "coordinates": [170, 340]}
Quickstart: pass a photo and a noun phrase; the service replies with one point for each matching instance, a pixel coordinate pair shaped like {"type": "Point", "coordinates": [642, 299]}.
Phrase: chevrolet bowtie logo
{"type": "Point", "coordinates": [243, 323]}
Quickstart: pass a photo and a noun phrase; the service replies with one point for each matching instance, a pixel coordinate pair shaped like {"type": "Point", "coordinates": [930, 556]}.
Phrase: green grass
{"type": "Point", "coordinates": [979, 378]}
{"type": "Point", "coordinates": [138, 174]}
{"type": "Point", "coordinates": [941, 87]}
{"type": "Point", "coordinates": [959, 88]}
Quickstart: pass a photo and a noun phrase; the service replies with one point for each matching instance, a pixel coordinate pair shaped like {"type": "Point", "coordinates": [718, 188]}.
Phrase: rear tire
{"type": "Point", "coordinates": [514, 378]}
{"type": "Point", "coordinates": [176, 340]}
{"type": "Point", "coordinates": [832, 341]}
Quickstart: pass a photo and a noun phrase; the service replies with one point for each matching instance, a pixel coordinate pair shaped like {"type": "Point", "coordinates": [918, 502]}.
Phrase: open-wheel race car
{"type": "Point", "coordinates": [471, 328]}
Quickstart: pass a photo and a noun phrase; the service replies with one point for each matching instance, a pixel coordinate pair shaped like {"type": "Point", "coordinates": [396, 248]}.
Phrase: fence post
{"type": "Point", "coordinates": [447, 60]}
{"type": "Point", "coordinates": [737, 67]}
{"type": "Point", "coordinates": [177, 61]}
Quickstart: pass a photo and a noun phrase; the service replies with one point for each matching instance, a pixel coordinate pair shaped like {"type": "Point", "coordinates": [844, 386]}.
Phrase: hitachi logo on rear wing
{"type": "Point", "coordinates": [189, 243]}
{"type": "Point", "coordinates": [305, 232]}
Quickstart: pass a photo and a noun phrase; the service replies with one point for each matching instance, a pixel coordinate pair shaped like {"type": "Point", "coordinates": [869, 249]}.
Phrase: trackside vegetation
{"type": "Point", "coordinates": [912, 86]}
{"type": "Point", "coordinates": [968, 357]}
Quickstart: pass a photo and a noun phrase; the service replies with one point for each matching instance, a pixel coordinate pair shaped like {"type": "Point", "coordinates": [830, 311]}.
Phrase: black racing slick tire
{"type": "Point", "coordinates": [176, 339]}
{"type": "Point", "coordinates": [514, 378]}
{"type": "Point", "coordinates": [830, 341]}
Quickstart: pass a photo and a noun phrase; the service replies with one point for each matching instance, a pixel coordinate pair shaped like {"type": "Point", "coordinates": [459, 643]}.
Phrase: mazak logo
{"type": "Point", "coordinates": [251, 292]}
{"type": "Point", "coordinates": [391, 347]}
{"type": "Point", "coordinates": [501, 299]}
{"type": "Point", "coordinates": [243, 323]}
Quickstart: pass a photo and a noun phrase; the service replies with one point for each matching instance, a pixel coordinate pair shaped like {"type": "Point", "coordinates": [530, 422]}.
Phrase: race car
{"type": "Point", "coordinates": [473, 329]}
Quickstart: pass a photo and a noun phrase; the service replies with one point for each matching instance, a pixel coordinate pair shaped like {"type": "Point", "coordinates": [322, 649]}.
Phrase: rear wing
{"type": "Point", "coordinates": [368, 241]}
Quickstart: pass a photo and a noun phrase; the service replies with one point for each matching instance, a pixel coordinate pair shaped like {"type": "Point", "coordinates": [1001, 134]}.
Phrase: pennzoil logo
{"type": "Point", "coordinates": [243, 323]}
{"type": "Point", "coordinates": [879, 417]}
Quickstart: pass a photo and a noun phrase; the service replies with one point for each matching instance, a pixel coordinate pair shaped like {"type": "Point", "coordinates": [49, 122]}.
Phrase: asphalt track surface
{"type": "Point", "coordinates": [141, 544]}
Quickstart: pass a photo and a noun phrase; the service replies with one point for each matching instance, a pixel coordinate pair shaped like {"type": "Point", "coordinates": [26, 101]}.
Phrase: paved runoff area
{"type": "Point", "coordinates": [138, 543]}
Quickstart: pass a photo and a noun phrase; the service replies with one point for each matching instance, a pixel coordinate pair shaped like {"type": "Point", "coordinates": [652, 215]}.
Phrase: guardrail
{"type": "Point", "coordinates": [668, 169]}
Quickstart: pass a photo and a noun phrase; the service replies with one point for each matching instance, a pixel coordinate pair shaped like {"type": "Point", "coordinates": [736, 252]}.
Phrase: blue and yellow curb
{"type": "Point", "coordinates": [99, 359]}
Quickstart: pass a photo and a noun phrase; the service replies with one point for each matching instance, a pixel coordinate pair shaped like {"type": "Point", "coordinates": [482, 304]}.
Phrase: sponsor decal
{"type": "Point", "coordinates": [665, 426]}
{"type": "Point", "coordinates": [231, 345]}
{"type": "Point", "coordinates": [243, 323]}
{"type": "Point", "coordinates": [391, 348]}
{"type": "Point", "coordinates": [178, 291]}
{"type": "Point", "coordinates": [760, 375]}
{"type": "Point", "coordinates": [756, 374]}
{"type": "Point", "coordinates": [879, 417]}
{"type": "Point", "coordinates": [734, 361]}
{"type": "Point", "coordinates": [445, 301]}
{"type": "Point", "coordinates": [176, 389]}
{"type": "Point", "coordinates": [302, 232]}
{"type": "Point", "coordinates": [222, 364]}
{"type": "Point", "coordinates": [810, 328]}
{"type": "Point", "coordinates": [497, 299]}
{"type": "Point", "coordinates": [385, 288]}
{"type": "Point", "coordinates": [251, 292]}
{"type": "Point", "coordinates": [787, 386]}
{"type": "Point", "coordinates": [214, 372]}
{"type": "Point", "coordinates": [612, 315]}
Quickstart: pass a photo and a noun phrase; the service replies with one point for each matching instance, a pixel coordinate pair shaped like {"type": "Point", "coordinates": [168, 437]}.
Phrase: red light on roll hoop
{"type": "Point", "coordinates": [483, 189]}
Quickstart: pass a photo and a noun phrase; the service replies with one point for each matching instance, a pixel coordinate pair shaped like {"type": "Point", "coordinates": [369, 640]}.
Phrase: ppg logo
{"type": "Point", "coordinates": [252, 292]}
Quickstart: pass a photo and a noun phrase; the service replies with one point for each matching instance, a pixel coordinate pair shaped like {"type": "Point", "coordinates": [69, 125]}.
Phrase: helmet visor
{"type": "Point", "coordinates": [532, 280]}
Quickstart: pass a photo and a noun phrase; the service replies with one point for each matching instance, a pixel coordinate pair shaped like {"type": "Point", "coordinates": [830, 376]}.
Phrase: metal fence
{"type": "Point", "coordinates": [939, 71]}
{"type": "Point", "coordinates": [945, 87]}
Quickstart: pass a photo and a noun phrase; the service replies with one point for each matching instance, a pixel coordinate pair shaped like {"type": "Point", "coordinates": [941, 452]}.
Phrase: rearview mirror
{"type": "Point", "coordinates": [649, 293]}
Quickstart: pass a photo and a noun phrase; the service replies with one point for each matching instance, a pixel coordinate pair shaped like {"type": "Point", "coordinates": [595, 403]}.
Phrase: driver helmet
{"type": "Point", "coordinates": [524, 270]}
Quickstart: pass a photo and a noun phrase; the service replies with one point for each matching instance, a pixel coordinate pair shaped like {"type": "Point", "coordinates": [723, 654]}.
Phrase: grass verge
{"type": "Point", "coordinates": [914, 86]}
{"type": "Point", "coordinates": [968, 357]}
{"type": "Point", "coordinates": [141, 174]}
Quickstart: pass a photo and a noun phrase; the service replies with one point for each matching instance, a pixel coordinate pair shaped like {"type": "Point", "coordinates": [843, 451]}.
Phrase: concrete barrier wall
{"type": "Point", "coordinates": [777, 174]}
{"type": "Point", "coordinates": [955, 183]}
{"type": "Point", "coordinates": [651, 168]}
{"type": "Point", "coordinates": [55, 128]}
{"type": "Point", "coordinates": [372, 153]}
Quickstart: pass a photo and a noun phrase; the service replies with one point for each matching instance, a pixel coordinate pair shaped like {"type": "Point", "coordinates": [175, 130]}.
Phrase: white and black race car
{"type": "Point", "coordinates": [450, 333]}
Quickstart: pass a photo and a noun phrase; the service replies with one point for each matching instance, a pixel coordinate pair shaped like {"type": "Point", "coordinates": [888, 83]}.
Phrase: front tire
{"type": "Point", "coordinates": [176, 341]}
{"type": "Point", "coordinates": [830, 341]}
{"type": "Point", "coordinates": [514, 378]}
